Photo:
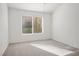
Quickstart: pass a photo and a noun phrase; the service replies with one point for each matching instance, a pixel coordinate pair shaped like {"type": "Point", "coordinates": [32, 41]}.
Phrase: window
{"type": "Point", "coordinates": [37, 24]}
{"type": "Point", "coordinates": [27, 24]}
{"type": "Point", "coordinates": [31, 24]}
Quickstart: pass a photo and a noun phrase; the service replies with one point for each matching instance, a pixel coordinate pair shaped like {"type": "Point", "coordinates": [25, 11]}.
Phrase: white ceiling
{"type": "Point", "coordinates": [40, 7]}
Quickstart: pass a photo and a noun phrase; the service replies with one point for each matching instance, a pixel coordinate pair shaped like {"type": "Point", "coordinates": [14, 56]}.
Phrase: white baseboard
{"type": "Point", "coordinates": [4, 49]}
{"type": "Point", "coordinates": [27, 41]}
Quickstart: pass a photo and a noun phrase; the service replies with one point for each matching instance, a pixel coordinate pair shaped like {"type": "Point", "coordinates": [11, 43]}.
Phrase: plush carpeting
{"type": "Point", "coordinates": [39, 48]}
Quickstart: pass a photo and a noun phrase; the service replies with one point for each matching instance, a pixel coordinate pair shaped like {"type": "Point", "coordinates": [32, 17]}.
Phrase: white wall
{"type": "Point", "coordinates": [15, 16]}
{"type": "Point", "coordinates": [65, 24]}
{"type": "Point", "coordinates": [3, 27]}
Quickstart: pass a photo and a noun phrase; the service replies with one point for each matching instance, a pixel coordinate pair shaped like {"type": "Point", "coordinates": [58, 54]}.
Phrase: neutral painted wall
{"type": "Point", "coordinates": [3, 27]}
{"type": "Point", "coordinates": [15, 34]}
{"type": "Point", "coordinates": [65, 24]}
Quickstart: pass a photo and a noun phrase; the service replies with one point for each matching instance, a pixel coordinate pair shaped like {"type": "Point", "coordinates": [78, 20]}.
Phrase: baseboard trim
{"type": "Point", "coordinates": [5, 49]}
{"type": "Point", "coordinates": [28, 41]}
{"type": "Point", "coordinates": [66, 46]}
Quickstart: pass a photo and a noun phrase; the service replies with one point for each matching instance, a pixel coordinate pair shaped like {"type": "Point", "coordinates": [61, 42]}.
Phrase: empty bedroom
{"type": "Point", "coordinates": [39, 29]}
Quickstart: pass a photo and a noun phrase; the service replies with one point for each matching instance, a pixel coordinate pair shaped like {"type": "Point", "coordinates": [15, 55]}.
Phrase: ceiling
{"type": "Point", "coordinates": [39, 7]}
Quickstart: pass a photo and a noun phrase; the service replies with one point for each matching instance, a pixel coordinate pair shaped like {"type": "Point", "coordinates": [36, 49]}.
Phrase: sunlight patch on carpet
{"type": "Point", "coordinates": [53, 49]}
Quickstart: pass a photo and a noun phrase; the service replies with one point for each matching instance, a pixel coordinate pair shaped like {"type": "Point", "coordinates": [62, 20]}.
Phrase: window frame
{"type": "Point", "coordinates": [32, 25]}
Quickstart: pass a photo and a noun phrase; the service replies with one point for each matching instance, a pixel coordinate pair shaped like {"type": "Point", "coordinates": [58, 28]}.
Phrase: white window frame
{"type": "Point", "coordinates": [32, 26]}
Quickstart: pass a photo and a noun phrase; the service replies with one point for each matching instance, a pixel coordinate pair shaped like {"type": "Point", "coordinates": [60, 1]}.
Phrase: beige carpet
{"type": "Point", "coordinates": [25, 49]}
{"type": "Point", "coordinates": [38, 48]}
